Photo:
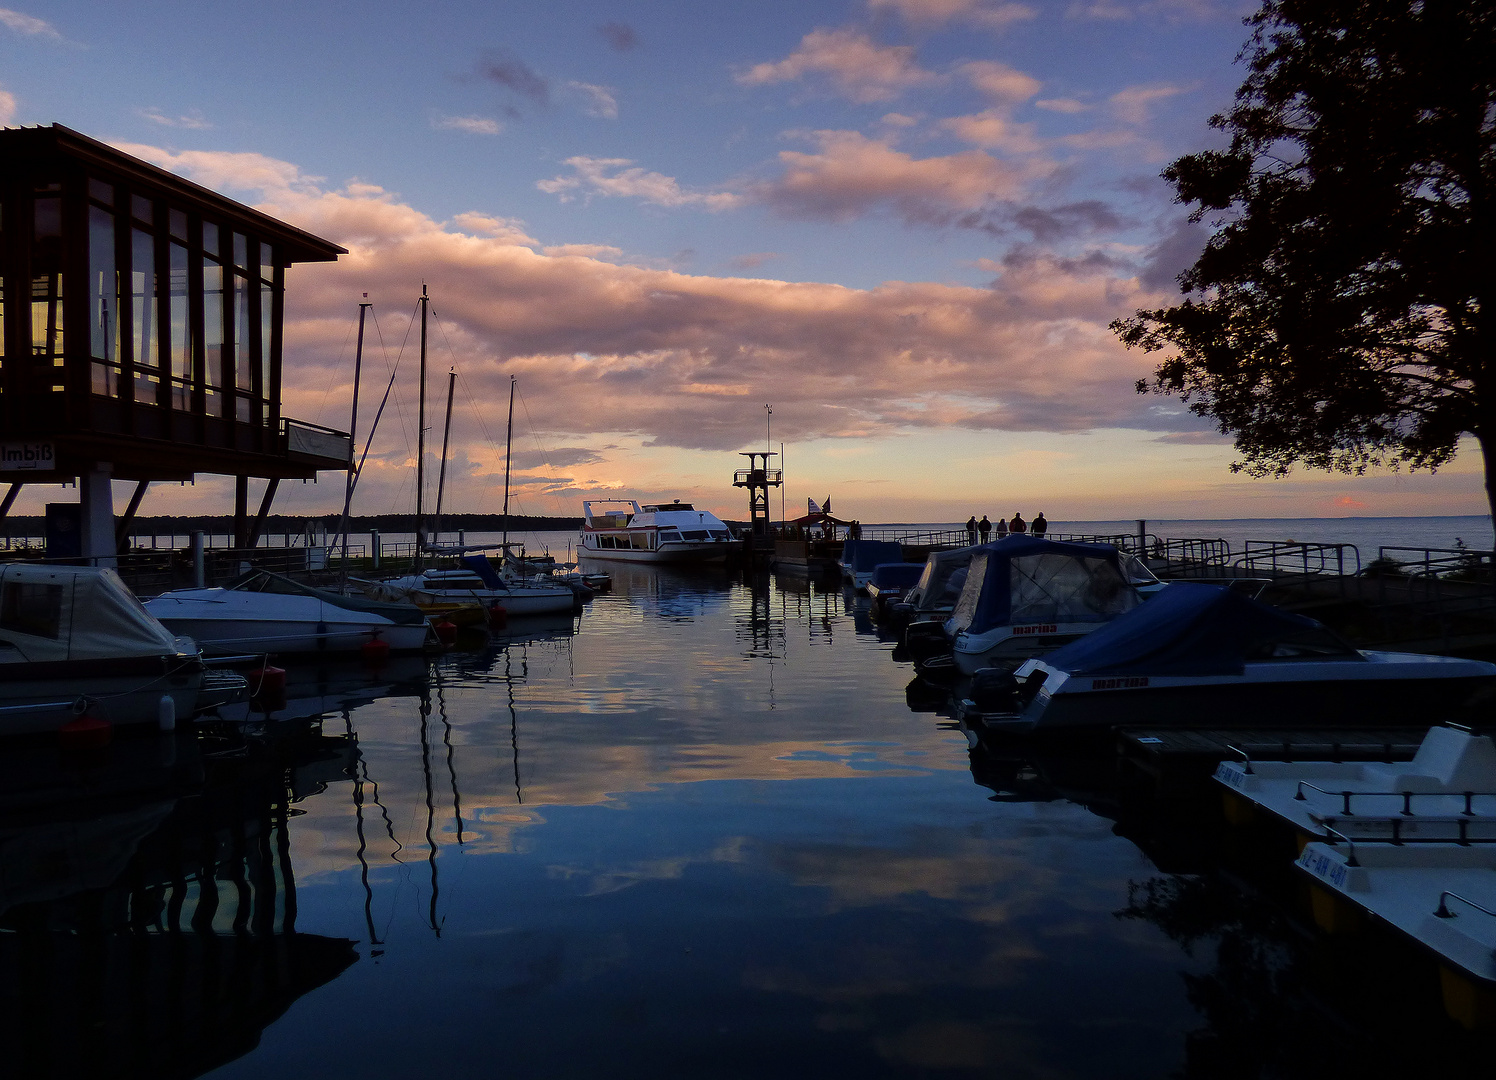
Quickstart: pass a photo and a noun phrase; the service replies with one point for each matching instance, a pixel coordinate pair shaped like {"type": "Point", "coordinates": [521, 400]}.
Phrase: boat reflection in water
{"type": "Point", "coordinates": [153, 932]}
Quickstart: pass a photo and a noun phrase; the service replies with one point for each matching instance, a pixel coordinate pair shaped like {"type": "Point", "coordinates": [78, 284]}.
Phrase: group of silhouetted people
{"type": "Point", "coordinates": [979, 532]}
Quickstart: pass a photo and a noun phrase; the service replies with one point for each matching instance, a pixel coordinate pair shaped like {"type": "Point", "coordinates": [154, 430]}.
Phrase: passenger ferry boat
{"type": "Point", "coordinates": [657, 532]}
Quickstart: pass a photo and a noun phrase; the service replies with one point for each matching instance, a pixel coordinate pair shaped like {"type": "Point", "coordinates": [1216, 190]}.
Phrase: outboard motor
{"type": "Point", "coordinates": [898, 614]}
{"type": "Point", "coordinates": [994, 690]}
{"type": "Point", "coordinates": [925, 638]}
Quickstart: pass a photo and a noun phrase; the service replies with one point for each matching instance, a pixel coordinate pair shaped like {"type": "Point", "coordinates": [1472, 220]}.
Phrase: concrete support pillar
{"type": "Point", "coordinates": [374, 548]}
{"type": "Point", "coordinates": [96, 494]}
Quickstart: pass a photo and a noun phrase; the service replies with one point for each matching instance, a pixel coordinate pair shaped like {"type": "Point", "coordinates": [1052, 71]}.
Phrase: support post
{"type": "Point", "coordinates": [96, 493]}
{"type": "Point", "coordinates": [269, 497]}
{"type": "Point", "coordinates": [10, 498]}
{"type": "Point", "coordinates": [374, 548]}
{"type": "Point", "coordinates": [199, 569]}
{"type": "Point", "coordinates": [122, 529]}
{"type": "Point", "coordinates": [241, 510]}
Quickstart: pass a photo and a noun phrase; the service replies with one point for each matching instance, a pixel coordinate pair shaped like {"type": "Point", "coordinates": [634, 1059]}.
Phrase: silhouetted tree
{"type": "Point", "coordinates": [1343, 313]}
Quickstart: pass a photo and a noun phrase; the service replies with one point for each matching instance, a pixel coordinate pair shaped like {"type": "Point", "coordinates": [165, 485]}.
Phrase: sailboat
{"type": "Point", "coordinates": [475, 582]}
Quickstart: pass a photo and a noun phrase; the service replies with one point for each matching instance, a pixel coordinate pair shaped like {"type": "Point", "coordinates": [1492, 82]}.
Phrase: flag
{"type": "Point", "coordinates": [812, 507]}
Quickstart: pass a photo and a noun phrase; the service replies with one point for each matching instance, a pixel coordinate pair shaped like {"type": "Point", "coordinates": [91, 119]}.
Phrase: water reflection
{"type": "Point", "coordinates": [713, 818]}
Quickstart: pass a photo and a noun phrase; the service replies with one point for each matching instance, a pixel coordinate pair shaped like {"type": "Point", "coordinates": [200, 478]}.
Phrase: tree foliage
{"type": "Point", "coordinates": [1341, 313]}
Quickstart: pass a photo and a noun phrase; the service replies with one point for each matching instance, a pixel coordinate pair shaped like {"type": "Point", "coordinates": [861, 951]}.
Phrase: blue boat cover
{"type": "Point", "coordinates": [480, 565]}
{"type": "Point", "coordinates": [1031, 579]}
{"type": "Point", "coordinates": [897, 575]}
{"type": "Point", "coordinates": [867, 554]}
{"type": "Point", "coordinates": [1190, 629]}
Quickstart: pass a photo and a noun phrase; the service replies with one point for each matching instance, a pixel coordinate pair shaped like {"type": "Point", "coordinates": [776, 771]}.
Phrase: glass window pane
{"type": "Point", "coordinates": [142, 209]}
{"type": "Point", "coordinates": [213, 333]}
{"type": "Point", "coordinates": [210, 238]}
{"type": "Point", "coordinates": [101, 192]}
{"type": "Point", "coordinates": [267, 264]}
{"type": "Point", "coordinates": [46, 288]}
{"type": "Point", "coordinates": [241, 251]}
{"type": "Point", "coordinates": [243, 358]}
{"type": "Point", "coordinates": [179, 347]}
{"type": "Point", "coordinates": [144, 308]}
{"type": "Point", "coordinates": [177, 224]}
{"type": "Point", "coordinates": [103, 300]}
{"type": "Point", "coordinates": [267, 308]}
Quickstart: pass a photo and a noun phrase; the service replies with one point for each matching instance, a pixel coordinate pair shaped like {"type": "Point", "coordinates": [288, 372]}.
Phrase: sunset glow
{"type": "Point", "coordinates": [905, 224]}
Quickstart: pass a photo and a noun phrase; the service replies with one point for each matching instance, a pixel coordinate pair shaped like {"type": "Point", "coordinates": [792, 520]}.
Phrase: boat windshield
{"type": "Point", "coordinates": [262, 581]}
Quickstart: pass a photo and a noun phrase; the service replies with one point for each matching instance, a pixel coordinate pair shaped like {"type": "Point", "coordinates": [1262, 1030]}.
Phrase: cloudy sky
{"type": "Point", "coordinates": [903, 224]}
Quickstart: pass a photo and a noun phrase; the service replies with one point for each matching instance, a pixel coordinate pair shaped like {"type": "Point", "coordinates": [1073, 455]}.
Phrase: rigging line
{"type": "Point", "coordinates": [546, 454]}
{"type": "Point", "coordinates": [441, 702]}
{"type": "Point", "coordinates": [363, 844]}
{"type": "Point", "coordinates": [425, 711]}
{"type": "Point", "coordinates": [322, 405]}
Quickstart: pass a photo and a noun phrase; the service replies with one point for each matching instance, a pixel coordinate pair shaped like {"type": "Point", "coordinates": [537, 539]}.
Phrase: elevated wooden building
{"type": "Point", "coordinates": [140, 330]}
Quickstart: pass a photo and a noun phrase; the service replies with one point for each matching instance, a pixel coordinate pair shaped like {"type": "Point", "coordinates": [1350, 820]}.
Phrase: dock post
{"type": "Point", "coordinates": [374, 548]}
{"type": "Point", "coordinates": [199, 575]}
{"type": "Point", "coordinates": [1142, 539]}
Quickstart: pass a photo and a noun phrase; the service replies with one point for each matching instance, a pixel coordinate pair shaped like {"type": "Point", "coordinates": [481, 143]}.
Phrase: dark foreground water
{"type": "Point", "coordinates": [700, 832]}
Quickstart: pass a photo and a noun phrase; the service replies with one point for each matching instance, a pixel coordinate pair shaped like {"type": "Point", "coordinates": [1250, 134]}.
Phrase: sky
{"type": "Point", "coordinates": [901, 225]}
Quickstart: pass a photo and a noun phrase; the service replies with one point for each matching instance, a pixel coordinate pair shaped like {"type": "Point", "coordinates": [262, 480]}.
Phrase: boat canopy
{"type": "Point", "coordinates": [940, 584]}
{"type": "Point", "coordinates": [266, 581]}
{"type": "Point", "coordinates": [862, 555]}
{"type": "Point", "coordinates": [1026, 579]}
{"type": "Point", "coordinates": [896, 575]}
{"type": "Point", "coordinates": [1195, 629]}
{"type": "Point", "coordinates": [74, 613]}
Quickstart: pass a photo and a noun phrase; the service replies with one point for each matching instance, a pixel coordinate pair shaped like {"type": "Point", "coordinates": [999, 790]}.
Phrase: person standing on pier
{"type": "Point", "coordinates": [1040, 525]}
{"type": "Point", "coordinates": [1002, 527]}
{"type": "Point", "coordinates": [984, 528]}
{"type": "Point", "coordinates": [1017, 525]}
{"type": "Point", "coordinates": [971, 529]}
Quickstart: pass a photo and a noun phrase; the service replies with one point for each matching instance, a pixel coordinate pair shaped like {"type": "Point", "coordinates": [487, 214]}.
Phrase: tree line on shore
{"type": "Point", "coordinates": [297, 524]}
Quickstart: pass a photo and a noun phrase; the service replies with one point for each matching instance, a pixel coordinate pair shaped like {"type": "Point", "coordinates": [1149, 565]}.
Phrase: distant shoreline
{"type": "Point", "coordinates": [183, 525]}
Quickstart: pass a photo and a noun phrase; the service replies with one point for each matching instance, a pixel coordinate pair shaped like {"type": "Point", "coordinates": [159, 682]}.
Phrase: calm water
{"type": "Point", "coordinates": [698, 832]}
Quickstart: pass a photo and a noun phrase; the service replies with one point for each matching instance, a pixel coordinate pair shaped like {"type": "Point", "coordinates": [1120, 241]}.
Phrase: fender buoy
{"type": "Point", "coordinates": [85, 732]}
{"type": "Point", "coordinates": [375, 651]}
{"type": "Point", "coordinates": [446, 631]}
{"type": "Point", "coordinates": [268, 680]}
{"type": "Point", "coordinates": [498, 616]}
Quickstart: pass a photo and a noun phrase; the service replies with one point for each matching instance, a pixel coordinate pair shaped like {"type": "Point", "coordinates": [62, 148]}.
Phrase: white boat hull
{"type": "Point", "coordinates": [669, 553]}
{"type": "Point", "coordinates": [227, 637]}
{"type": "Point", "coordinates": [41, 703]}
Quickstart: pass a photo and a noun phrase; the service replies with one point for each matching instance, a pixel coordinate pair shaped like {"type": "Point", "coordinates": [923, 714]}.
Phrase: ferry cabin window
{"type": "Point", "coordinates": [31, 608]}
{"type": "Point", "coordinates": [179, 329]}
{"type": "Point", "coordinates": [639, 541]}
{"type": "Point", "coordinates": [669, 536]}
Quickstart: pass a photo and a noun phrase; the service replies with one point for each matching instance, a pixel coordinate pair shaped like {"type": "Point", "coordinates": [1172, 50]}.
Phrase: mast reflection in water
{"type": "Point", "coordinates": [712, 827]}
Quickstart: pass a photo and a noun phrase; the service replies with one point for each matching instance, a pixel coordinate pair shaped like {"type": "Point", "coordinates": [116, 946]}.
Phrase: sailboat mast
{"type": "Point", "coordinates": [358, 367]}
{"type": "Point", "coordinates": [421, 440]}
{"type": "Point", "coordinates": [508, 445]}
{"type": "Point", "coordinates": [441, 478]}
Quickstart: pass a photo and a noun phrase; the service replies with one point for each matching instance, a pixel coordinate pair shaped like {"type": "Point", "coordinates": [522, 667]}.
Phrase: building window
{"type": "Point", "coordinates": [212, 321]}
{"type": "Point", "coordinates": [179, 346]}
{"type": "Point", "coordinates": [46, 290]}
{"type": "Point", "coordinates": [103, 298]}
{"type": "Point", "coordinates": [145, 312]}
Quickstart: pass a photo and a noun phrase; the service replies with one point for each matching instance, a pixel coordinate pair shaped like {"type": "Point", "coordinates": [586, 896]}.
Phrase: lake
{"type": "Point", "coordinates": [697, 831]}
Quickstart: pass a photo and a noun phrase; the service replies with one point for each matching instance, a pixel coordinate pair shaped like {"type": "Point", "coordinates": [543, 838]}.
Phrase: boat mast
{"type": "Point", "coordinates": [358, 366]}
{"type": "Point", "coordinates": [421, 439]}
{"type": "Point", "coordinates": [441, 478]}
{"type": "Point", "coordinates": [508, 445]}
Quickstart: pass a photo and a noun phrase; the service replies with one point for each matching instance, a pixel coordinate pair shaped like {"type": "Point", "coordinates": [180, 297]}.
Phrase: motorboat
{"type": "Point", "coordinates": [934, 595]}
{"type": "Point", "coordinates": [1198, 655]}
{"type": "Point", "coordinates": [1025, 596]}
{"type": "Point", "coordinates": [890, 582]}
{"type": "Point", "coordinates": [860, 557]}
{"type": "Point", "coordinates": [475, 582]}
{"type": "Point", "coordinates": [75, 635]}
{"type": "Point", "coordinates": [1440, 897]}
{"type": "Point", "coordinates": [1447, 792]}
{"type": "Point", "coordinates": [623, 530]}
{"type": "Point", "coordinates": [264, 612]}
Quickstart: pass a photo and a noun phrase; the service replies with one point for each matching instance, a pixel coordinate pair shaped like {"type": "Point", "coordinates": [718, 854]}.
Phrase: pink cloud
{"type": "Point", "coordinates": [855, 66]}
{"type": "Point", "coordinates": [850, 175]}
{"type": "Point", "coordinates": [619, 177]}
{"type": "Point", "coordinates": [1003, 84]}
{"type": "Point", "coordinates": [611, 354]}
{"type": "Point", "coordinates": [993, 15]}
{"type": "Point", "coordinates": [994, 129]}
